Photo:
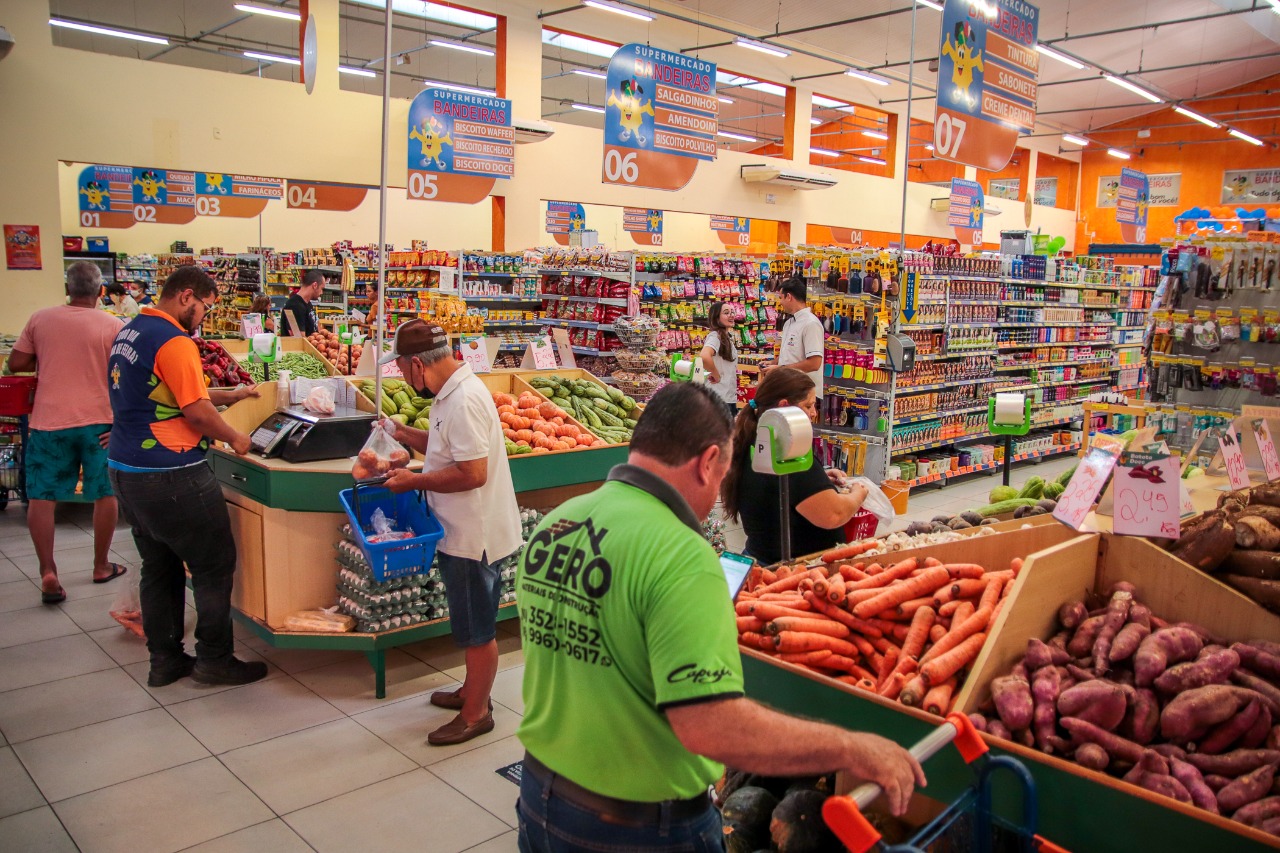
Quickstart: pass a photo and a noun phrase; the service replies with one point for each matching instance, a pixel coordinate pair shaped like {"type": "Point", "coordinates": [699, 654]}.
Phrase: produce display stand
{"type": "Point", "coordinates": [286, 519]}
{"type": "Point", "coordinates": [238, 348]}
{"type": "Point", "coordinates": [1080, 809]}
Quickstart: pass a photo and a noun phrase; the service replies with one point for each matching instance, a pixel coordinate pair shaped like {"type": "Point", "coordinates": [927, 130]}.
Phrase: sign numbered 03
{"type": "Point", "coordinates": [459, 145]}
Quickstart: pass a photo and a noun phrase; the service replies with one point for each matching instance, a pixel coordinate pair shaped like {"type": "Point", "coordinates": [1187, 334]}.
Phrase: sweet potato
{"type": "Point", "coordinates": [1117, 747]}
{"type": "Point", "coordinates": [995, 728]}
{"type": "Point", "coordinates": [1082, 641]}
{"type": "Point", "coordinates": [1092, 756]}
{"type": "Point", "coordinates": [1195, 711]}
{"type": "Point", "coordinates": [1256, 736]}
{"type": "Point", "coordinates": [1216, 668]}
{"type": "Point", "coordinates": [1258, 811]}
{"type": "Point", "coordinates": [979, 722]}
{"type": "Point", "coordinates": [1170, 751]}
{"type": "Point", "coordinates": [1266, 645]}
{"type": "Point", "coordinates": [1205, 634]}
{"type": "Point", "coordinates": [1268, 494]}
{"type": "Point", "coordinates": [1112, 621]}
{"type": "Point", "coordinates": [1071, 614]}
{"type": "Point", "coordinates": [1222, 736]}
{"type": "Point", "coordinates": [1246, 789]}
{"type": "Point", "coordinates": [1216, 783]}
{"type": "Point", "coordinates": [1139, 614]}
{"type": "Point", "coordinates": [1235, 763]}
{"type": "Point", "coordinates": [1142, 719]}
{"type": "Point", "coordinates": [1014, 703]}
{"type": "Point", "coordinates": [1273, 738]}
{"type": "Point", "coordinates": [1059, 640]}
{"type": "Point", "coordinates": [1045, 686]}
{"type": "Point", "coordinates": [1100, 702]}
{"type": "Point", "coordinates": [1256, 533]}
{"type": "Point", "coordinates": [1079, 674]}
{"type": "Point", "coordinates": [1164, 647]}
{"type": "Point", "coordinates": [1269, 692]}
{"type": "Point", "coordinates": [1154, 762]}
{"type": "Point", "coordinates": [1127, 641]}
{"type": "Point", "coordinates": [1166, 785]}
{"type": "Point", "coordinates": [1261, 662]}
{"type": "Point", "coordinates": [1041, 654]}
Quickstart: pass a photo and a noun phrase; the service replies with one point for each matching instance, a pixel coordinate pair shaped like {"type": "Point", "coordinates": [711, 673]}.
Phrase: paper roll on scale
{"type": "Point", "coordinates": [1010, 409]}
{"type": "Point", "coordinates": [792, 431]}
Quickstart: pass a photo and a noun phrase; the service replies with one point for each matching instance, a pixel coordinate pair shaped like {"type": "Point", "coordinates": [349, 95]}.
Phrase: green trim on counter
{"type": "Point", "coordinates": [549, 470]}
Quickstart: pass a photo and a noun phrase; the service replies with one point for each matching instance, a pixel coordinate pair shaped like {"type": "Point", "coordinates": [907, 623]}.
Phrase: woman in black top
{"type": "Point", "coordinates": [818, 511]}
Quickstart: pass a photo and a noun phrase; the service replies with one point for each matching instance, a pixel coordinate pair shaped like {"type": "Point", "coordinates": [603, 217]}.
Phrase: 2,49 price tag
{"type": "Point", "coordinates": [1147, 501]}
{"type": "Point", "coordinates": [1087, 482]}
{"type": "Point", "coordinates": [1233, 459]}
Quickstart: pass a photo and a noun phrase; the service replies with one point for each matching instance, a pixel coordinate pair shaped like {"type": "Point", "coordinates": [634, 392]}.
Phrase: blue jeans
{"type": "Point", "coordinates": [473, 589]}
{"type": "Point", "coordinates": [550, 824]}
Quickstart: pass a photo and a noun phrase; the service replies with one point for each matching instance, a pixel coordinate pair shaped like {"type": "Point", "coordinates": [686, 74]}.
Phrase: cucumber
{"type": "Point", "coordinates": [595, 392]}
{"type": "Point", "coordinates": [1003, 507]}
{"type": "Point", "coordinates": [389, 406]}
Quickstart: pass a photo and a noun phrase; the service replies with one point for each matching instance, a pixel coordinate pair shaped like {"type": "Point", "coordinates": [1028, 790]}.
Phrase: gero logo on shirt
{"type": "Point", "coordinates": [568, 567]}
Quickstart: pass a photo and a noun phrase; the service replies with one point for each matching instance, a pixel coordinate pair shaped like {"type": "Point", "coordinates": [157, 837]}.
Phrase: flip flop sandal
{"type": "Point", "coordinates": [116, 571]}
{"type": "Point", "coordinates": [53, 597]}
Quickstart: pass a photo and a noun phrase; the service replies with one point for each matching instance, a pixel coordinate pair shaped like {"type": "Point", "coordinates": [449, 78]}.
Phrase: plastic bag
{"type": "Point", "coordinates": [876, 503]}
{"type": "Point", "coordinates": [127, 608]}
{"type": "Point", "coordinates": [327, 621]}
{"type": "Point", "coordinates": [319, 400]}
{"type": "Point", "coordinates": [380, 453]}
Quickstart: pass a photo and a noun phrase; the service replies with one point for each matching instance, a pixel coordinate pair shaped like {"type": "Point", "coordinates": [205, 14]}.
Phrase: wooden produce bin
{"type": "Point", "coordinates": [238, 348]}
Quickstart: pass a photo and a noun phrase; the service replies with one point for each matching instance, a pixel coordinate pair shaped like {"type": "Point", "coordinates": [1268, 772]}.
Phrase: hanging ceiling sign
{"type": "Point", "coordinates": [1260, 185]}
{"type": "Point", "coordinates": [106, 197]}
{"type": "Point", "coordinates": [733, 231]}
{"type": "Point", "coordinates": [1132, 201]}
{"type": "Point", "coordinates": [986, 81]}
{"type": "Point", "coordinates": [163, 195]}
{"type": "Point", "coordinates": [965, 212]}
{"type": "Point", "coordinates": [644, 225]}
{"type": "Point", "coordinates": [660, 117]}
{"type": "Point", "coordinates": [459, 145]}
{"type": "Point", "coordinates": [565, 216]}
{"type": "Point", "coordinates": [316, 195]}
{"type": "Point", "coordinates": [1163, 190]}
{"type": "Point", "coordinates": [235, 196]}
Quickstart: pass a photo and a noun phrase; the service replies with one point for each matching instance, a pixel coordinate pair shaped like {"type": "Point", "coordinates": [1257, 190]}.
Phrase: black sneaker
{"type": "Point", "coordinates": [233, 671]}
{"type": "Point", "coordinates": [161, 676]}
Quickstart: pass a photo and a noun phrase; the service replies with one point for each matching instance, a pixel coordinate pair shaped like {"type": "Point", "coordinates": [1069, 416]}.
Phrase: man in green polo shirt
{"type": "Point", "coordinates": [633, 681]}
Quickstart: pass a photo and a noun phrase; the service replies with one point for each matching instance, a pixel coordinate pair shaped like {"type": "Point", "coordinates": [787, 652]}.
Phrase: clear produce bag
{"type": "Point", "coordinates": [380, 453]}
{"type": "Point", "coordinates": [127, 607]}
{"type": "Point", "coordinates": [876, 503]}
{"type": "Point", "coordinates": [319, 400]}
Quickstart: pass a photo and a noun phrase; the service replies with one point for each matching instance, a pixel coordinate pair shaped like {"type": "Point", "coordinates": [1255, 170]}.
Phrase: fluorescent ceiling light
{"type": "Point", "coordinates": [462, 45]}
{"type": "Point", "coordinates": [867, 76]}
{"type": "Point", "coordinates": [359, 72]}
{"type": "Point", "coordinates": [436, 12]}
{"type": "Point", "coordinates": [1195, 115]}
{"type": "Point", "coordinates": [617, 8]}
{"type": "Point", "coordinates": [587, 108]}
{"type": "Point", "coordinates": [578, 43]}
{"type": "Point", "coordinates": [1061, 57]}
{"type": "Point", "coordinates": [271, 57]}
{"type": "Point", "coordinates": [1074, 140]}
{"type": "Point", "coordinates": [457, 87]}
{"type": "Point", "coordinates": [875, 134]}
{"type": "Point", "coordinates": [1275, 6]}
{"type": "Point", "coordinates": [287, 14]}
{"type": "Point", "coordinates": [768, 88]}
{"type": "Point", "coordinates": [1132, 87]}
{"type": "Point", "coordinates": [873, 160]}
{"type": "Point", "coordinates": [930, 4]}
{"type": "Point", "coordinates": [105, 31]}
{"type": "Point", "coordinates": [815, 121]}
{"type": "Point", "coordinates": [752, 44]}
{"type": "Point", "coordinates": [738, 136]}
{"type": "Point", "coordinates": [828, 102]}
{"type": "Point", "coordinates": [825, 152]}
{"type": "Point", "coordinates": [724, 100]}
{"type": "Point", "coordinates": [1246, 137]}
{"type": "Point", "coordinates": [1118, 154]}
{"type": "Point", "coordinates": [593, 74]}
{"type": "Point", "coordinates": [928, 146]}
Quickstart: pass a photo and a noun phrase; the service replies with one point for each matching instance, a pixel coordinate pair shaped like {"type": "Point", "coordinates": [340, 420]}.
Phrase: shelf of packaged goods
{"type": "Point", "coordinates": [947, 442]}
{"type": "Point", "coordinates": [992, 324]}
{"type": "Point", "coordinates": [942, 386]}
{"type": "Point", "coordinates": [1005, 346]}
{"type": "Point", "coordinates": [930, 416]}
{"type": "Point", "coordinates": [1049, 383]}
{"type": "Point", "coordinates": [949, 355]}
{"type": "Point", "coordinates": [407, 269]}
{"type": "Point", "coordinates": [1129, 328]}
{"type": "Point", "coordinates": [1135, 344]}
{"type": "Point", "coordinates": [992, 466]}
{"type": "Point", "coordinates": [1031, 281]}
{"type": "Point", "coordinates": [922, 326]}
{"type": "Point", "coordinates": [1141, 386]}
{"type": "Point", "coordinates": [601, 300]}
{"type": "Point", "coordinates": [513, 347]}
{"type": "Point", "coordinates": [501, 298]}
{"type": "Point", "coordinates": [487, 274]}
{"type": "Point", "coordinates": [577, 324]}
{"type": "Point", "coordinates": [1054, 325]}
{"type": "Point", "coordinates": [616, 275]}
{"type": "Point", "coordinates": [593, 351]}
{"type": "Point", "coordinates": [1030, 365]}
{"type": "Point", "coordinates": [334, 267]}
{"type": "Point", "coordinates": [735, 297]}
{"type": "Point", "coordinates": [520, 324]}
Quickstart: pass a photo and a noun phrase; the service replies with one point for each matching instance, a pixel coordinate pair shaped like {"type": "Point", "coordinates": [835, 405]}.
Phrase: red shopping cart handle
{"type": "Point", "coordinates": [843, 815]}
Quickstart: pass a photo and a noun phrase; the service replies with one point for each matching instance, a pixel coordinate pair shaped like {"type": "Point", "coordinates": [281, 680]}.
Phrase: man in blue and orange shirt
{"type": "Point", "coordinates": [164, 421]}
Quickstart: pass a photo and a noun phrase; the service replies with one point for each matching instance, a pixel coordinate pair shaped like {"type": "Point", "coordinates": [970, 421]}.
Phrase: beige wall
{"type": "Point", "coordinates": [78, 107]}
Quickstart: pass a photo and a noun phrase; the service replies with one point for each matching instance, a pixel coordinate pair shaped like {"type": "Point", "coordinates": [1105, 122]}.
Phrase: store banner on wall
{"type": "Point", "coordinates": [1046, 192]}
{"type": "Point", "coordinates": [643, 224]}
{"type": "Point", "coordinates": [235, 196]}
{"type": "Point", "coordinates": [564, 218]}
{"type": "Point", "coordinates": [22, 247]}
{"type": "Point", "coordinates": [1132, 201]}
{"type": "Point", "coordinates": [965, 213]}
{"type": "Point", "coordinates": [318, 195]}
{"type": "Point", "coordinates": [459, 145]}
{"type": "Point", "coordinates": [164, 195]}
{"type": "Point", "coordinates": [1006, 188]}
{"type": "Point", "coordinates": [660, 117]}
{"type": "Point", "coordinates": [1164, 190]}
{"type": "Point", "coordinates": [986, 81]}
{"type": "Point", "coordinates": [106, 197]}
{"type": "Point", "coordinates": [1260, 185]}
{"type": "Point", "coordinates": [733, 231]}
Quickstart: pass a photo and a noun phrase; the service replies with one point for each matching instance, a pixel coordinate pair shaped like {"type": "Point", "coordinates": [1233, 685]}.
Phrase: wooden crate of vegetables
{"type": "Point", "coordinates": [1144, 674]}
{"type": "Point", "coordinates": [531, 423]}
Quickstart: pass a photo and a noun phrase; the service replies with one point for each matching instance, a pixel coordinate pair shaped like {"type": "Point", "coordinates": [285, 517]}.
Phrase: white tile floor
{"type": "Point", "coordinates": [92, 759]}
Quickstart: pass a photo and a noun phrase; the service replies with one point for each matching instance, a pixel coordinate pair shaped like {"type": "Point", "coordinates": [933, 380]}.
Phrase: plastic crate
{"type": "Point", "coordinates": [861, 526]}
{"type": "Point", "coordinates": [17, 395]}
{"type": "Point", "coordinates": [400, 557]}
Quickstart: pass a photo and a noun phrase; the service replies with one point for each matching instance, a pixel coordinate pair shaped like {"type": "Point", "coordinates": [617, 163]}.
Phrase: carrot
{"type": "Point", "coordinates": [891, 687]}
{"type": "Point", "coordinates": [938, 699]}
{"type": "Point", "coordinates": [836, 588]}
{"type": "Point", "coordinates": [882, 645]}
{"type": "Point", "coordinates": [921, 622]}
{"type": "Point", "coordinates": [783, 572]}
{"type": "Point", "coordinates": [842, 616]}
{"type": "Point", "coordinates": [863, 645]}
{"type": "Point", "coordinates": [794, 596]}
{"type": "Point", "coordinates": [900, 632]}
{"type": "Point", "coordinates": [808, 626]}
{"type": "Point", "coordinates": [852, 574]}
{"type": "Point", "coordinates": [945, 665]}
{"type": "Point", "coordinates": [807, 658]}
{"type": "Point", "coordinates": [873, 569]}
{"type": "Point", "coordinates": [873, 661]}
{"type": "Point", "coordinates": [991, 594]}
{"type": "Point", "coordinates": [796, 641]}
{"type": "Point", "coordinates": [951, 606]}
{"type": "Point", "coordinates": [867, 684]}
{"type": "Point", "coordinates": [853, 597]}
{"type": "Point", "coordinates": [1008, 586]}
{"type": "Point", "coordinates": [963, 612]}
{"type": "Point", "coordinates": [937, 632]}
{"type": "Point", "coordinates": [907, 666]}
{"type": "Point", "coordinates": [905, 590]}
{"type": "Point", "coordinates": [846, 552]}
{"type": "Point", "coordinates": [791, 581]}
{"type": "Point", "coordinates": [961, 589]}
{"type": "Point", "coordinates": [907, 609]}
{"type": "Point", "coordinates": [768, 576]}
{"type": "Point", "coordinates": [884, 578]}
{"type": "Point", "coordinates": [958, 635]}
{"type": "Point", "coordinates": [1006, 575]}
{"type": "Point", "coordinates": [884, 625]}
{"type": "Point", "coordinates": [767, 610]}
{"type": "Point", "coordinates": [1015, 565]}
{"type": "Point", "coordinates": [887, 663]}
{"type": "Point", "coordinates": [750, 623]}
{"type": "Point", "coordinates": [930, 562]}
{"type": "Point", "coordinates": [965, 570]}
{"type": "Point", "coordinates": [913, 691]}
{"type": "Point", "coordinates": [756, 641]}
{"type": "Point", "coordinates": [848, 666]}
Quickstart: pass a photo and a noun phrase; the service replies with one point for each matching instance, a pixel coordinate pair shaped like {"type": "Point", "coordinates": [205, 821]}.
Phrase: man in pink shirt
{"type": "Point", "coordinates": [68, 346]}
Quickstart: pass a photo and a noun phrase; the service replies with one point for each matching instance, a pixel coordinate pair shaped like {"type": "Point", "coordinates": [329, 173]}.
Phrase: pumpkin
{"type": "Point", "coordinates": [545, 428]}
{"type": "Point", "coordinates": [504, 399]}
{"type": "Point", "coordinates": [531, 414]}
{"type": "Point", "coordinates": [524, 435]}
{"type": "Point", "coordinates": [506, 410]}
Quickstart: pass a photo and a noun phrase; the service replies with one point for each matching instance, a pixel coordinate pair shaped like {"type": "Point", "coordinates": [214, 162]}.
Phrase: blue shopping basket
{"type": "Point", "coordinates": [409, 511]}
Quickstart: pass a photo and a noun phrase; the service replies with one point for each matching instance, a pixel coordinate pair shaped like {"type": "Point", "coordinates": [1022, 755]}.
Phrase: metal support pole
{"type": "Point", "coordinates": [784, 498]}
{"type": "Point", "coordinates": [380, 333]}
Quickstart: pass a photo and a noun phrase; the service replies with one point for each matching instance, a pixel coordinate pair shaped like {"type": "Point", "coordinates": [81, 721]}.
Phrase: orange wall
{"type": "Point", "coordinates": [1201, 165]}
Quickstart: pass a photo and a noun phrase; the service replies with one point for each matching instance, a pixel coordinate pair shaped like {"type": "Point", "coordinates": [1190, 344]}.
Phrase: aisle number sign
{"type": "Point", "coordinates": [987, 88]}
{"type": "Point", "coordinates": [106, 197]}
{"type": "Point", "coordinates": [459, 145]}
{"type": "Point", "coordinates": [565, 217]}
{"type": "Point", "coordinates": [1132, 201]}
{"type": "Point", "coordinates": [163, 195]}
{"type": "Point", "coordinates": [236, 196]}
{"type": "Point", "coordinates": [1147, 500]}
{"type": "Point", "coordinates": [965, 212]}
{"type": "Point", "coordinates": [643, 224]}
{"type": "Point", "coordinates": [733, 231]}
{"type": "Point", "coordinates": [660, 117]}
{"type": "Point", "coordinates": [317, 195]}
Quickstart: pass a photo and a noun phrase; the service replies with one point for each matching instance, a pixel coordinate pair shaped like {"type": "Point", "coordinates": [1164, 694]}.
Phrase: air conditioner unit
{"type": "Point", "coordinates": [762, 173]}
{"type": "Point", "coordinates": [943, 205]}
{"type": "Point", "coordinates": [531, 130]}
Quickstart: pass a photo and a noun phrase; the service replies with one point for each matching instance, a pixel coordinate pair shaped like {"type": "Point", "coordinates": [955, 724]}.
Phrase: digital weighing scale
{"type": "Point", "coordinates": [297, 435]}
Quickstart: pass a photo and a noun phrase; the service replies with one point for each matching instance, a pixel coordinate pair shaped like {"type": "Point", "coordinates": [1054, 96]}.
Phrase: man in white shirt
{"type": "Point", "coordinates": [468, 485]}
{"type": "Point", "coordinates": [803, 338]}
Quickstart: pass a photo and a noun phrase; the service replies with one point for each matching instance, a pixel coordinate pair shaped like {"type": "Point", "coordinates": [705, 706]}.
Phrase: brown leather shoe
{"type": "Point", "coordinates": [451, 699]}
{"type": "Point", "coordinates": [457, 731]}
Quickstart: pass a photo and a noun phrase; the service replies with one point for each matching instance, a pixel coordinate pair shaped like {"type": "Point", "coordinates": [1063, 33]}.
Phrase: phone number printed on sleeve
{"type": "Point", "coordinates": [578, 641]}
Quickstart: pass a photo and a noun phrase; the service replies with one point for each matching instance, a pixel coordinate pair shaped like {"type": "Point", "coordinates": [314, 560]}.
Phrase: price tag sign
{"type": "Point", "coordinates": [1233, 459]}
{"type": "Point", "coordinates": [1185, 506]}
{"type": "Point", "coordinates": [1087, 482]}
{"type": "Point", "coordinates": [1147, 495]}
{"type": "Point", "coordinates": [475, 352]}
{"type": "Point", "coordinates": [542, 353]}
{"type": "Point", "coordinates": [1266, 449]}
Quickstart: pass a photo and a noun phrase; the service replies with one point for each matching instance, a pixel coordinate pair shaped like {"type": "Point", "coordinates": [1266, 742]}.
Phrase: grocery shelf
{"type": "Point", "coordinates": [1038, 364]}
{"type": "Point", "coordinates": [1054, 344]}
{"type": "Point", "coordinates": [1052, 325]}
{"type": "Point", "coordinates": [503, 298]}
{"type": "Point", "coordinates": [531, 324]}
{"type": "Point", "coordinates": [993, 466]}
{"type": "Point", "coordinates": [593, 351]}
{"type": "Point", "coordinates": [1130, 328]}
{"type": "Point", "coordinates": [942, 386]}
{"type": "Point", "coordinates": [947, 442]}
{"type": "Point", "coordinates": [601, 300]}
{"type": "Point", "coordinates": [617, 275]}
{"type": "Point", "coordinates": [486, 274]}
{"type": "Point", "coordinates": [930, 416]}
{"type": "Point", "coordinates": [577, 324]}
{"type": "Point", "coordinates": [920, 326]}
{"type": "Point", "coordinates": [1046, 383]}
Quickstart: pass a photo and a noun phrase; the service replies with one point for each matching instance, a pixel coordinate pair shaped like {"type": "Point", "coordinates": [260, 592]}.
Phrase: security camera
{"type": "Point", "coordinates": [6, 42]}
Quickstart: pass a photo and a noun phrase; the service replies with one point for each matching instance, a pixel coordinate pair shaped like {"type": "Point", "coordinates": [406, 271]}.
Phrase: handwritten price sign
{"type": "Point", "coordinates": [1147, 497]}
{"type": "Point", "coordinates": [1233, 459]}
{"type": "Point", "coordinates": [1266, 449]}
{"type": "Point", "coordinates": [1085, 485]}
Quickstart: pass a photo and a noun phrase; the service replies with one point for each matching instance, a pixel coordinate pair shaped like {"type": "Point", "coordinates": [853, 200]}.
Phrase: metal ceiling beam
{"type": "Point", "coordinates": [816, 27]}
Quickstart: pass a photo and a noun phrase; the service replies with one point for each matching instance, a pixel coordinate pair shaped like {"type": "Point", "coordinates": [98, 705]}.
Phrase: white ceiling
{"type": "Point", "coordinates": [1210, 37]}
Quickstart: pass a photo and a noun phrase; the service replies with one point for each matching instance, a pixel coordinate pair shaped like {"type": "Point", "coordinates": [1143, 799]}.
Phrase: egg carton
{"type": "Point", "coordinates": [395, 598]}
{"type": "Point", "coordinates": [422, 607]}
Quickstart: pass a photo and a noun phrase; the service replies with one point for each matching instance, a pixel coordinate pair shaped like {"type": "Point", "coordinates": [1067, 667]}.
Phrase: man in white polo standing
{"type": "Point", "coordinates": [468, 484]}
{"type": "Point", "coordinates": [803, 338]}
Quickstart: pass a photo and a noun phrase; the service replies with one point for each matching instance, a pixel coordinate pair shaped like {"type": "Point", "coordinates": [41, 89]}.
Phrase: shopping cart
{"type": "Point", "coordinates": [967, 824]}
{"type": "Point", "coordinates": [17, 397]}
